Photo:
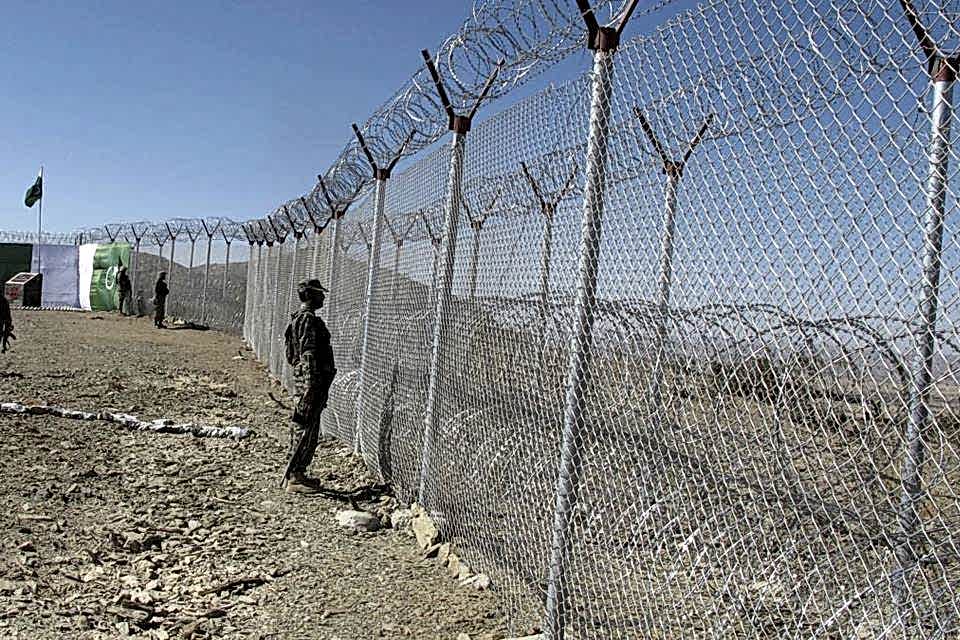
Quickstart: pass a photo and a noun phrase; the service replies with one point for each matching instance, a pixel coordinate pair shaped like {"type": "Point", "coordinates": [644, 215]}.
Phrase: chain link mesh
{"type": "Point", "coordinates": [734, 463]}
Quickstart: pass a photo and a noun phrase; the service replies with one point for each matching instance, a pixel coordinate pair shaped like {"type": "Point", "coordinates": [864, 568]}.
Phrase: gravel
{"type": "Point", "coordinates": [112, 533]}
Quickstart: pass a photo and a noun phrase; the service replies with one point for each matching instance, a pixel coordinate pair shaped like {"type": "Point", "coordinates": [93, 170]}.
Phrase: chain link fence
{"type": "Point", "coordinates": [671, 349]}
{"type": "Point", "coordinates": [211, 292]}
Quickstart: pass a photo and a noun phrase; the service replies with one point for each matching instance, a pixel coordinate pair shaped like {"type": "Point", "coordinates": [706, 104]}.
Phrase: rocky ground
{"type": "Point", "coordinates": [112, 533]}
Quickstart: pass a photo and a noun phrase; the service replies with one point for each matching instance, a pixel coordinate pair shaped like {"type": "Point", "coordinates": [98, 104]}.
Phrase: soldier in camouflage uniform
{"type": "Point", "coordinates": [160, 293]}
{"type": "Point", "coordinates": [125, 288]}
{"type": "Point", "coordinates": [6, 323]}
{"type": "Point", "coordinates": [309, 352]}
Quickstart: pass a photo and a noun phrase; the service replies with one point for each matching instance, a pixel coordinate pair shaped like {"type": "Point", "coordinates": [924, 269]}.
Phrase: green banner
{"type": "Point", "coordinates": [14, 259]}
{"type": "Point", "coordinates": [104, 293]}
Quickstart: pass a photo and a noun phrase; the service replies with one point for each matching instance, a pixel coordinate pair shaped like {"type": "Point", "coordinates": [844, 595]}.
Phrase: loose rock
{"type": "Point", "coordinates": [358, 520]}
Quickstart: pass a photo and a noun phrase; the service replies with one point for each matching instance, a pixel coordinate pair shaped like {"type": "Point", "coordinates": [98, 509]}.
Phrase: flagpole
{"type": "Point", "coordinates": [40, 221]}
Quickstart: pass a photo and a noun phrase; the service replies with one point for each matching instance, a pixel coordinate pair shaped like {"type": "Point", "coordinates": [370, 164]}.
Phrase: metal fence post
{"type": "Point", "coordinates": [193, 246]}
{"type": "Point", "coordinates": [159, 244]}
{"type": "Point", "coordinates": [226, 268]}
{"type": "Point", "coordinates": [173, 248]}
{"type": "Point", "coordinates": [604, 42]}
{"type": "Point", "coordinates": [338, 209]}
{"type": "Point", "coordinates": [206, 271]}
{"type": "Point", "coordinates": [274, 350]}
{"type": "Point", "coordinates": [477, 226]}
{"type": "Point", "coordinates": [674, 172]}
{"type": "Point", "coordinates": [250, 284]}
{"type": "Point", "coordinates": [253, 268]}
{"type": "Point", "coordinates": [546, 255]}
{"type": "Point", "coordinates": [292, 298]}
{"type": "Point", "coordinates": [435, 248]}
{"type": "Point", "coordinates": [264, 328]}
{"type": "Point", "coordinates": [381, 175]}
{"type": "Point", "coordinates": [274, 303]}
{"type": "Point", "coordinates": [943, 75]}
{"type": "Point", "coordinates": [460, 126]}
{"type": "Point", "coordinates": [373, 269]}
{"type": "Point", "coordinates": [334, 275]}
{"type": "Point", "coordinates": [548, 209]}
{"type": "Point", "coordinates": [444, 285]}
{"type": "Point", "coordinates": [135, 265]}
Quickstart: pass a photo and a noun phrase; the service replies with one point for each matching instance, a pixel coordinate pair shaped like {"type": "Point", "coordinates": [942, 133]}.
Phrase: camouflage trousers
{"type": "Point", "coordinates": [160, 311]}
{"type": "Point", "coordinates": [309, 398]}
{"type": "Point", "coordinates": [124, 304]}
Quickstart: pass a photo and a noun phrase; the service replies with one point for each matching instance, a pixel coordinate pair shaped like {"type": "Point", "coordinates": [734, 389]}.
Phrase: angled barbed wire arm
{"type": "Point", "coordinates": [413, 221]}
{"type": "Point", "coordinates": [246, 233]}
{"type": "Point", "coordinates": [491, 205]}
{"type": "Point", "coordinates": [625, 16]}
{"type": "Point", "coordinates": [400, 152]}
{"type": "Point", "coordinates": [927, 45]}
{"type": "Point", "coordinates": [534, 186]}
{"type": "Point", "coordinates": [593, 26]}
{"type": "Point", "coordinates": [363, 235]}
{"type": "Point", "coordinates": [438, 83]}
{"type": "Point", "coordinates": [363, 147]}
{"type": "Point", "coordinates": [568, 185]}
{"type": "Point", "coordinates": [466, 205]}
{"type": "Point", "coordinates": [278, 237]}
{"type": "Point", "coordinates": [326, 193]}
{"type": "Point", "coordinates": [697, 139]}
{"type": "Point", "coordinates": [654, 140]}
{"type": "Point", "coordinates": [486, 89]}
{"type": "Point", "coordinates": [264, 233]}
{"type": "Point", "coordinates": [317, 227]}
{"type": "Point", "coordinates": [294, 228]}
{"type": "Point", "coordinates": [428, 227]}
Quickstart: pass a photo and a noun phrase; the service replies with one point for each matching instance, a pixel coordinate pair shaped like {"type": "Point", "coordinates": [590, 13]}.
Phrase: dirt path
{"type": "Point", "coordinates": [108, 533]}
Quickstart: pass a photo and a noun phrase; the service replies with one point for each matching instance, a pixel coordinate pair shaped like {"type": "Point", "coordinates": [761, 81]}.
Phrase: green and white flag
{"type": "Point", "coordinates": [35, 192]}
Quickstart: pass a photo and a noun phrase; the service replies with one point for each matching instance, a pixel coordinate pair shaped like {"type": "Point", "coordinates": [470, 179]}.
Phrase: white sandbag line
{"type": "Point", "coordinates": [127, 421]}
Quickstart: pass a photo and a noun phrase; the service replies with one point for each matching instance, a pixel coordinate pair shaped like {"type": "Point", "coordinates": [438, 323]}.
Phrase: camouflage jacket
{"type": "Point", "coordinates": [313, 353]}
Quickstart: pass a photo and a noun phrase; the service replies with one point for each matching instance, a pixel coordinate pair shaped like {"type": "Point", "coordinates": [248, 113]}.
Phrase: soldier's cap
{"type": "Point", "coordinates": [311, 285]}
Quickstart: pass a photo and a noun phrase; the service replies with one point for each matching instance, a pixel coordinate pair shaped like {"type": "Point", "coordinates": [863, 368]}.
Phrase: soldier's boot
{"type": "Point", "coordinates": [298, 482]}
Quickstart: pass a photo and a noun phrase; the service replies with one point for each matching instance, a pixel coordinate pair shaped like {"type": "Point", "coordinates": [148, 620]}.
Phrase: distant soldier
{"type": "Point", "coordinates": [6, 323]}
{"type": "Point", "coordinates": [160, 293]}
{"type": "Point", "coordinates": [309, 352]}
{"type": "Point", "coordinates": [123, 283]}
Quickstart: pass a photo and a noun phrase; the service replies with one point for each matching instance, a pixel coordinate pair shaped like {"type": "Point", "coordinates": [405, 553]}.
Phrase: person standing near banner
{"type": "Point", "coordinates": [6, 323]}
{"type": "Point", "coordinates": [125, 288]}
{"type": "Point", "coordinates": [160, 293]}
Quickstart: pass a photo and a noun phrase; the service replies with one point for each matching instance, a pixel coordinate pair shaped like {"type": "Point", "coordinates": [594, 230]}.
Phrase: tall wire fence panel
{"type": "Point", "coordinates": [740, 461]}
{"type": "Point", "coordinates": [211, 292]}
{"type": "Point", "coordinates": [345, 317]}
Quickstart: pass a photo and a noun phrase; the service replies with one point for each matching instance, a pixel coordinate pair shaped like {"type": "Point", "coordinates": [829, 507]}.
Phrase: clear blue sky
{"type": "Point", "coordinates": [150, 110]}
